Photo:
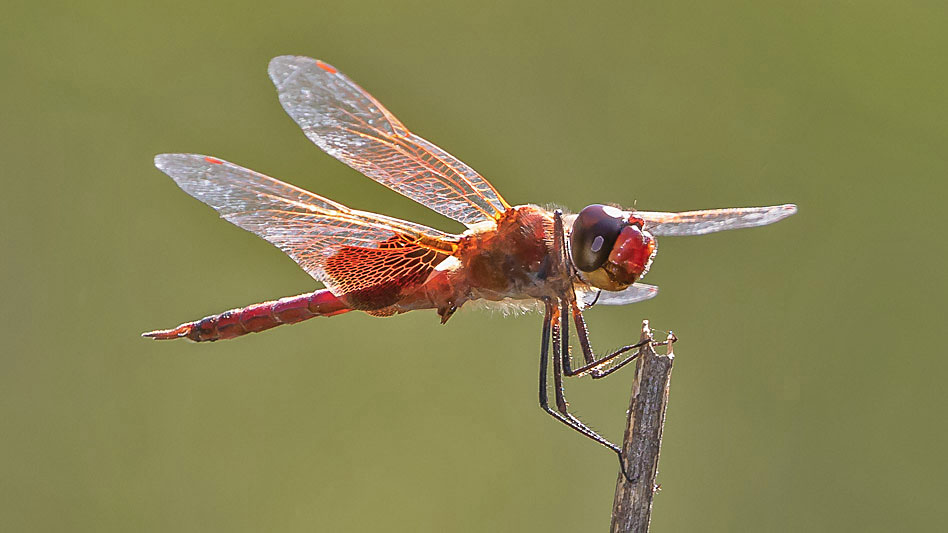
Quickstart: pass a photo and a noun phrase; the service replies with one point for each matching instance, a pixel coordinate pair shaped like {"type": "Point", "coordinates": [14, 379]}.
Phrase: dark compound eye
{"type": "Point", "coordinates": [595, 231]}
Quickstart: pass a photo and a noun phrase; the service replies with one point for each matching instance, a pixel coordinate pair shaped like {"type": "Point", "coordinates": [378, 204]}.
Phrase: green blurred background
{"type": "Point", "coordinates": [808, 392]}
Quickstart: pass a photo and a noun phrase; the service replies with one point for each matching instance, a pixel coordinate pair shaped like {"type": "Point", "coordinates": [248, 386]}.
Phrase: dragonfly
{"type": "Point", "coordinates": [380, 265]}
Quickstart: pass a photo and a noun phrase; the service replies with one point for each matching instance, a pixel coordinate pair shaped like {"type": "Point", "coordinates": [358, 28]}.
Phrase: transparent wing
{"type": "Point", "coordinates": [712, 220]}
{"type": "Point", "coordinates": [349, 124]}
{"type": "Point", "coordinates": [347, 250]}
{"type": "Point", "coordinates": [635, 293]}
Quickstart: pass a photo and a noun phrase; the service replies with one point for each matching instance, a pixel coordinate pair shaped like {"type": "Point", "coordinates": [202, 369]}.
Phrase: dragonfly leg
{"type": "Point", "coordinates": [561, 330]}
{"type": "Point", "coordinates": [562, 407]}
{"type": "Point", "coordinates": [593, 364]}
{"type": "Point", "coordinates": [561, 322]}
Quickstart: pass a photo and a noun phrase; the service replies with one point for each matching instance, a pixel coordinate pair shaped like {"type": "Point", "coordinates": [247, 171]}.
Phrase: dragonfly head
{"type": "Point", "coordinates": [610, 248]}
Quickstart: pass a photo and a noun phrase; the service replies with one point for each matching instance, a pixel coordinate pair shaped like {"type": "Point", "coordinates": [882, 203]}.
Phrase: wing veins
{"type": "Point", "coordinates": [457, 188]}
{"type": "Point", "coordinates": [354, 218]}
{"type": "Point", "coordinates": [405, 149]}
{"type": "Point", "coordinates": [353, 126]}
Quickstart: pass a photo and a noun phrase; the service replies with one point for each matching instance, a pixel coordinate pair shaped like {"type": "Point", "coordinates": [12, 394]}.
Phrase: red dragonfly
{"type": "Point", "coordinates": [385, 266]}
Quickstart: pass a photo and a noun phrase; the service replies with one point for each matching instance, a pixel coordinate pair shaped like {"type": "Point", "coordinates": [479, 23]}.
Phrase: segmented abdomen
{"type": "Point", "coordinates": [256, 317]}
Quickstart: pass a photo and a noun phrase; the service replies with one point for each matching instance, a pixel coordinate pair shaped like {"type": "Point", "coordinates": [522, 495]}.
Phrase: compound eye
{"type": "Point", "coordinates": [595, 231]}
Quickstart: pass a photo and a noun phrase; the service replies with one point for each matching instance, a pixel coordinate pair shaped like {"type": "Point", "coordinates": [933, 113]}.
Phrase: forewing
{"type": "Point", "coordinates": [637, 292]}
{"type": "Point", "coordinates": [346, 249]}
{"type": "Point", "coordinates": [349, 124]}
{"type": "Point", "coordinates": [712, 220]}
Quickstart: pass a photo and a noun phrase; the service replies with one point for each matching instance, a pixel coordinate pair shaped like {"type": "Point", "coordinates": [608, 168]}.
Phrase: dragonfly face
{"type": "Point", "coordinates": [610, 248]}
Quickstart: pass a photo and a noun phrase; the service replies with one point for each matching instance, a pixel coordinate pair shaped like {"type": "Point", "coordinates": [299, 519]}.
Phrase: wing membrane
{"type": "Point", "coordinates": [349, 124]}
{"type": "Point", "coordinates": [713, 220]}
{"type": "Point", "coordinates": [346, 249]}
{"type": "Point", "coordinates": [637, 292]}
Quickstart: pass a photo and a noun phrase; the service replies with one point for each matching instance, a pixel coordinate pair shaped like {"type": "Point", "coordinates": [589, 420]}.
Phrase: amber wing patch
{"type": "Point", "coordinates": [374, 278]}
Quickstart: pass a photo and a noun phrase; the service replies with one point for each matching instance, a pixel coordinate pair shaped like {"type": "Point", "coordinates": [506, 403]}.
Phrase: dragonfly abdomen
{"type": "Point", "coordinates": [256, 317]}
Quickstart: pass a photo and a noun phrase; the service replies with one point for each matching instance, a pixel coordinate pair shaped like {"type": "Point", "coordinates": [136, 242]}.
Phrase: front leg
{"type": "Point", "coordinates": [593, 365]}
{"type": "Point", "coordinates": [595, 368]}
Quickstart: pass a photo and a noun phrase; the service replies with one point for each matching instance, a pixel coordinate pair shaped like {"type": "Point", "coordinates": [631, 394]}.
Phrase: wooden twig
{"type": "Point", "coordinates": [632, 508]}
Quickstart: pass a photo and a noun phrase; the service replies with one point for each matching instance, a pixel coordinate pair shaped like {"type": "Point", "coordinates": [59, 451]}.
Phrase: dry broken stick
{"type": "Point", "coordinates": [632, 508]}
